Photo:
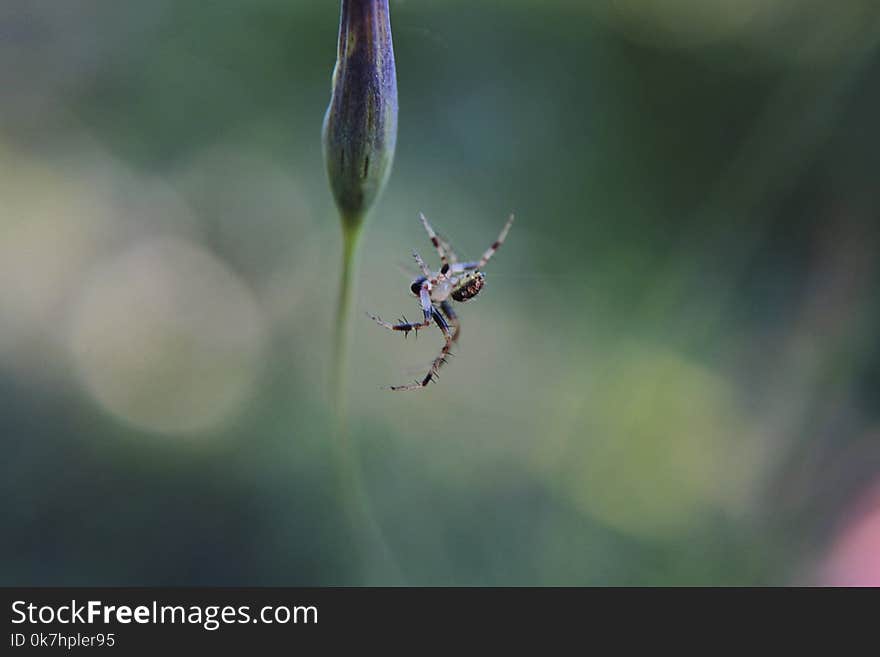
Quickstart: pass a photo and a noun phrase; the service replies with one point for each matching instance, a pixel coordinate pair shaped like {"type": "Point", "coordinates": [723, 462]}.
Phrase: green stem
{"type": "Point", "coordinates": [371, 550]}
{"type": "Point", "coordinates": [351, 234]}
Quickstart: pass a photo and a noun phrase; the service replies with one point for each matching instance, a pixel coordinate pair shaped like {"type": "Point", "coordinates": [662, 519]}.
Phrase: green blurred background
{"type": "Point", "coordinates": [671, 377]}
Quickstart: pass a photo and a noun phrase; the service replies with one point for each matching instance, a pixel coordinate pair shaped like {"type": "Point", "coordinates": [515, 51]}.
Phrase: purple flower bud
{"type": "Point", "coordinates": [360, 128]}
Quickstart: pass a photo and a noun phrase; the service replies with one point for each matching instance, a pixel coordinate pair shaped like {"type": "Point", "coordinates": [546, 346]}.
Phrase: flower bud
{"type": "Point", "coordinates": [360, 128]}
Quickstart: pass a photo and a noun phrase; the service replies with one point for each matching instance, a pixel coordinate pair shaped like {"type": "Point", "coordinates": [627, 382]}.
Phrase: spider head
{"type": "Point", "coordinates": [469, 286]}
{"type": "Point", "coordinates": [417, 285]}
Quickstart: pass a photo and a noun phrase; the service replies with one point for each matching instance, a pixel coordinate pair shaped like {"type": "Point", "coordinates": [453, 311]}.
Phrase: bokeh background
{"type": "Point", "coordinates": [671, 377]}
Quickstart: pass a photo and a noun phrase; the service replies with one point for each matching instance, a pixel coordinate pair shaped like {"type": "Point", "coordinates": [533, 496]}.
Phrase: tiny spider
{"type": "Point", "coordinates": [459, 281]}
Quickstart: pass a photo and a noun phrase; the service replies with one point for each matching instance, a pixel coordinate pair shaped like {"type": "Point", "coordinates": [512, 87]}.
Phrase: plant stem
{"type": "Point", "coordinates": [351, 234]}
{"type": "Point", "coordinates": [373, 559]}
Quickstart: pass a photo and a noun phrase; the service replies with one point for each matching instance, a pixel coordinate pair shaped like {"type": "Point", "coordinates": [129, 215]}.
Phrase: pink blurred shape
{"type": "Point", "coordinates": [855, 556]}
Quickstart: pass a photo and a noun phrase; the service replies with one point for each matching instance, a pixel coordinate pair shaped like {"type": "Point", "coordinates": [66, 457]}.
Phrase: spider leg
{"type": "Point", "coordinates": [450, 253]}
{"type": "Point", "coordinates": [452, 318]}
{"type": "Point", "coordinates": [405, 326]}
{"type": "Point", "coordinates": [439, 361]}
{"type": "Point", "coordinates": [469, 266]}
{"type": "Point", "coordinates": [425, 299]}
{"type": "Point", "coordinates": [422, 265]}
{"type": "Point", "coordinates": [441, 251]}
{"type": "Point", "coordinates": [496, 244]}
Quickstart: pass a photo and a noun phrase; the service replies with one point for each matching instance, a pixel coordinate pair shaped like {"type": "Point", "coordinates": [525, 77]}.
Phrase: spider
{"type": "Point", "coordinates": [459, 281]}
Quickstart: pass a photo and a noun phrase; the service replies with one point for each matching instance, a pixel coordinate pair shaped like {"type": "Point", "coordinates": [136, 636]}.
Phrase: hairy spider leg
{"type": "Point", "coordinates": [450, 253]}
{"type": "Point", "coordinates": [452, 318]}
{"type": "Point", "coordinates": [439, 361]}
{"type": "Point", "coordinates": [421, 263]}
{"type": "Point", "coordinates": [496, 244]}
{"type": "Point", "coordinates": [427, 310]}
{"type": "Point", "coordinates": [469, 266]}
{"type": "Point", "coordinates": [453, 323]}
{"type": "Point", "coordinates": [434, 239]}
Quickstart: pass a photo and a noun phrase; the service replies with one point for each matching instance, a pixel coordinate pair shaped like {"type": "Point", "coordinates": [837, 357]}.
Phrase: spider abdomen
{"type": "Point", "coordinates": [469, 287]}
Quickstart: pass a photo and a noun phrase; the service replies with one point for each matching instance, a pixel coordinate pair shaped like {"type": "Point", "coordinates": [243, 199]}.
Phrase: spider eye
{"type": "Point", "coordinates": [417, 285]}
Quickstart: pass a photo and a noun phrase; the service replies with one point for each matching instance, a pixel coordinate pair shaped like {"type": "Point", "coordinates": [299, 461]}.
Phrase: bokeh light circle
{"type": "Point", "coordinates": [648, 448]}
{"type": "Point", "coordinates": [167, 338]}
